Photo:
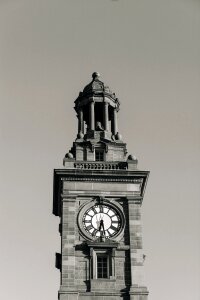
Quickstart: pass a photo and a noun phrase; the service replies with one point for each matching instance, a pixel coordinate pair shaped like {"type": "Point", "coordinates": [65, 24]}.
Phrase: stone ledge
{"type": "Point", "coordinates": [103, 284]}
{"type": "Point", "coordinates": [141, 290]}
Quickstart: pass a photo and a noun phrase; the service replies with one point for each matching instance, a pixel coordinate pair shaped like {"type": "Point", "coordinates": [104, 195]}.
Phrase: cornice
{"type": "Point", "coordinates": [100, 179]}
{"type": "Point", "coordinates": [93, 172]}
{"type": "Point", "coordinates": [104, 176]}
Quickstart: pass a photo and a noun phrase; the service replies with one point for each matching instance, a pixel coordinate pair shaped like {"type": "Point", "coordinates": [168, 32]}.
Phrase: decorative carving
{"type": "Point", "coordinates": [131, 157]}
{"type": "Point", "coordinates": [118, 136]}
{"type": "Point", "coordinates": [99, 199]}
{"type": "Point", "coordinates": [69, 155]}
{"type": "Point", "coordinates": [99, 126]}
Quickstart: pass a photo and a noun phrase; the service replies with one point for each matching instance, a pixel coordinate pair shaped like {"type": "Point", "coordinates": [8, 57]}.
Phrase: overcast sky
{"type": "Point", "coordinates": [148, 52]}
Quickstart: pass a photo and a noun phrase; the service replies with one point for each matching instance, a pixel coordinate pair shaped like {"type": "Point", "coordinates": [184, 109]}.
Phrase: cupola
{"type": "Point", "coordinates": [97, 107]}
{"type": "Point", "coordinates": [98, 144]}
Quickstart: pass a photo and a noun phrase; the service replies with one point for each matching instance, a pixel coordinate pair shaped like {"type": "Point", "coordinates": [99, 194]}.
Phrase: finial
{"type": "Point", "coordinates": [95, 75]}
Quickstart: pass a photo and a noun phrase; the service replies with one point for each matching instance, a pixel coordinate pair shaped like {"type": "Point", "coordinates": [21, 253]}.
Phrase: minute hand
{"type": "Point", "coordinates": [102, 225]}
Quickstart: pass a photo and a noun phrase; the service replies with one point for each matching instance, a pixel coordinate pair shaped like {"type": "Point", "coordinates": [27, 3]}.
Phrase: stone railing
{"type": "Point", "coordinates": [100, 165]}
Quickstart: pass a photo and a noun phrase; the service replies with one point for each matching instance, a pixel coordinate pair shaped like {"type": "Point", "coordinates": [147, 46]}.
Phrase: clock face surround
{"type": "Point", "coordinates": [102, 220]}
{"type": "Point", "coordinates": [105, 219]}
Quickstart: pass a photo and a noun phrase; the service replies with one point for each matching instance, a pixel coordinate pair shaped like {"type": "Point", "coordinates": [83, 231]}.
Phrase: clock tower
{"type": "Point", "coordinates": [98, 197]}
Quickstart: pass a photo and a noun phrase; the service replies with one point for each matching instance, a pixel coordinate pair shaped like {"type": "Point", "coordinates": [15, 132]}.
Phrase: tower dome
{"type": "Point", "coordinates": [96, 86]}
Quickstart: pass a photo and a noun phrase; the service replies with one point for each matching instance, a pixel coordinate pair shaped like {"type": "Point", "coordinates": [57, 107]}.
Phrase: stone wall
{"type": "Point", "coordinates": [127, 275]}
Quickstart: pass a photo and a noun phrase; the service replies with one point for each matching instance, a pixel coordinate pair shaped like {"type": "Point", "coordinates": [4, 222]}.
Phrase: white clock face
{"type": "Point", "coordinates": [102, 220]}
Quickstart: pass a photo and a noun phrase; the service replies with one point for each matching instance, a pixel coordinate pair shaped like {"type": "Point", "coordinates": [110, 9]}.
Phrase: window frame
{"type": "Point", "coordinates": [101, 155]}
{"type": "Point", "coordinates": [110, 263]}
{"type": "Point", "coordinates": [103, 255]}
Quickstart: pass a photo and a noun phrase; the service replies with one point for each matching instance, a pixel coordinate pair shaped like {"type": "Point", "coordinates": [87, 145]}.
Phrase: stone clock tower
{"type": "Point", "coordinates": [98, 197]}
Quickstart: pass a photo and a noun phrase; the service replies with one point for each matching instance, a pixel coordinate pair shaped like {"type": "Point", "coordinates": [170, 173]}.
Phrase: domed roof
{"type": "Point", "coordinates": [96, 86]}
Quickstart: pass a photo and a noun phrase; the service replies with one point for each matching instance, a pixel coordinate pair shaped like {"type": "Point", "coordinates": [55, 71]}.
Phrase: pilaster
{"type": "Point", "coordinates": [137, 291]}
{"type": "Point", "coordinates": [68, 243]}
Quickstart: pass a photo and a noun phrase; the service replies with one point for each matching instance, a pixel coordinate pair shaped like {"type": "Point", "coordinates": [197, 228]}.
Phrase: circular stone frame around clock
{"type": "Point", "coordinates": [89, 204]}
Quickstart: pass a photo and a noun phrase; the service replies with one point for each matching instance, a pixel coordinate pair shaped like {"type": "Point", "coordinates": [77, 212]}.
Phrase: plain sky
{"type": "Point", "coordinates": [148, 52]}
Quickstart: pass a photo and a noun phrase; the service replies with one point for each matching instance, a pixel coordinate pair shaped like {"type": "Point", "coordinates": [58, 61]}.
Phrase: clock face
{"type": "Point", "coordinates": [102, 220]}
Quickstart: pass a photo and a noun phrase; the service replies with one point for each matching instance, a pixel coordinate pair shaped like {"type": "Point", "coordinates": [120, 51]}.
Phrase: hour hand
{"type": "Point", "coordinates": [102, 225]}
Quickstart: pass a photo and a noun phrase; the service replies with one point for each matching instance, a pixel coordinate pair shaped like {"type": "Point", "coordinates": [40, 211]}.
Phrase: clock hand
{"type": "Point", "coordinates": [97, 223]}
{"type": "Point", "coordinates": [102, 225]}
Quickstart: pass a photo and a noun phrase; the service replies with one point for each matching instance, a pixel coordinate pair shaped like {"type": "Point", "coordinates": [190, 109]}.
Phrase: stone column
{"type": "Point", "coordinates": [106, 124]}
{"type": "Point", "coordinates": [92, 117]}
{"type": "Point", "coordinates": [115, 127]}
{"type": "Point", "coordinates": [80, 122]}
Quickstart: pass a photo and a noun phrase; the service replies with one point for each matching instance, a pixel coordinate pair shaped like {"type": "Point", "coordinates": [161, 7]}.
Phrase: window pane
{"type": "Point", "coordinates": [102, 266]}
{"type": "Point", "coordinates": [99, 155]}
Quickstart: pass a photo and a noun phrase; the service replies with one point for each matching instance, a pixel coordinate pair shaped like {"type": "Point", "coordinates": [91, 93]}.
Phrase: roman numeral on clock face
{"type": "Point", "coordinates": [113, 228]}
{"type": "Point", "coordinates": [109, 233]}
{"type": "Point", "coordinates": [89, 227]}
{"type": "Point", "coordinates": [94, 210]}
{"type": "Point", "coordinates": [101, 208]}
{"type": "Point", "coordinates": [94, 232]}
